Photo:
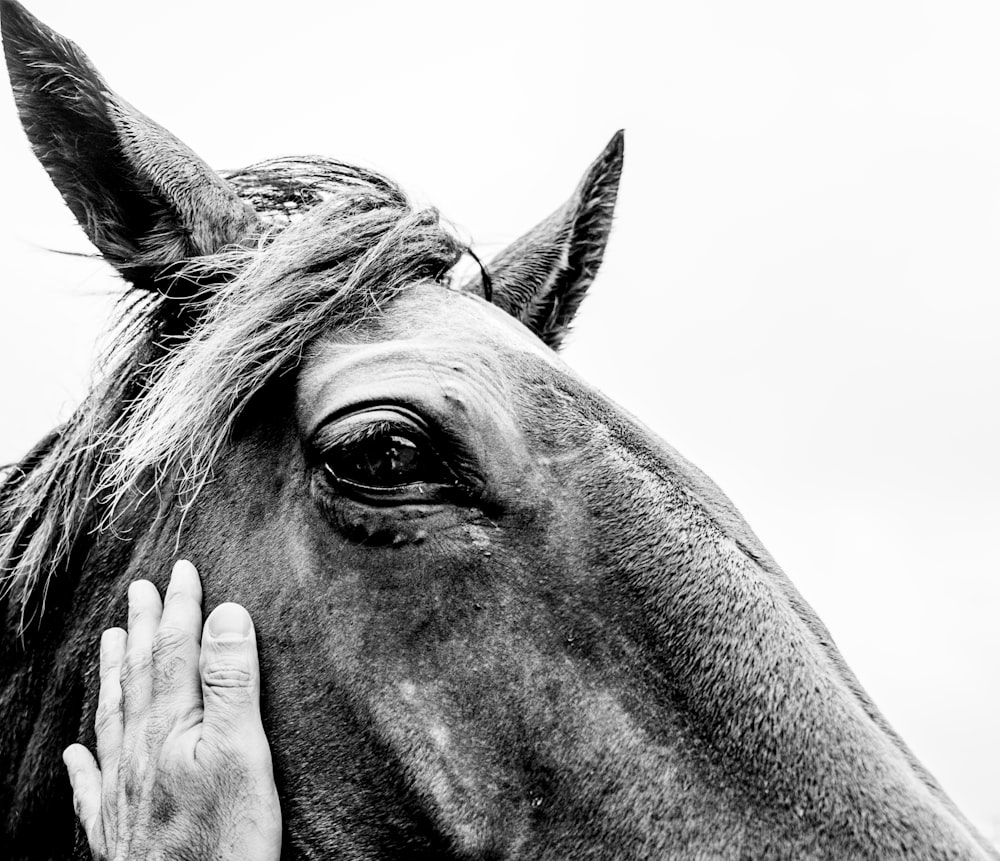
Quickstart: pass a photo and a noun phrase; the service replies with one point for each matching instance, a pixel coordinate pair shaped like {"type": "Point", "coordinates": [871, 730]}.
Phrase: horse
{"type": "Point", "coordinates": [499, 618]}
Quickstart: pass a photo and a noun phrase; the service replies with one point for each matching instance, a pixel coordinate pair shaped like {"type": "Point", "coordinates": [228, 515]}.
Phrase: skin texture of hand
{"type": "Point", "coordinates": [183, 768]}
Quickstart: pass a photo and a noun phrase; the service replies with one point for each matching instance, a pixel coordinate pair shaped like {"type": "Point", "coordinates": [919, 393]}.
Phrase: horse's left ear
{"type": "Point", "coordinates": [144, 199]}
{"type": "Point", "coordinates": [542, 277]}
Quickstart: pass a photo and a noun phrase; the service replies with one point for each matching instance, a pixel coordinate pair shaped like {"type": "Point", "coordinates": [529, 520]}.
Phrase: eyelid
{"type": "Point", "coordinates": [333, 431]}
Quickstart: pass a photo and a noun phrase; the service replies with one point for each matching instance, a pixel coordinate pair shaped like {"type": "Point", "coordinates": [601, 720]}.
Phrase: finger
{"type": "Point", "coordinates": [108, 719]}
{"type": "Point", "coordinates": [85, 778]}
{"type": "Point", "coordinates": [108, 728]}
{"type": "Point", "coordinates": [144, 609]}
{"type": "Point", "coordinates": [175, 649]}
{"type": "Point", "coordinates": [230, 674]}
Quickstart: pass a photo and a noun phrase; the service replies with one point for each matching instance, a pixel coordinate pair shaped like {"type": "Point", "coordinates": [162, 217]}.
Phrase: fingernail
{"type": "Point", "coordinates": [181, 567]}
{"type": "Point", "coordinates": [229, 619]}
{"type": "Point", "coordinates": [72, 765]}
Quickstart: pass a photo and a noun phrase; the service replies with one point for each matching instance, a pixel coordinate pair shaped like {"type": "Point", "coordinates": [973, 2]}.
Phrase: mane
{"type": "Point", "coordinates": [338, 242]}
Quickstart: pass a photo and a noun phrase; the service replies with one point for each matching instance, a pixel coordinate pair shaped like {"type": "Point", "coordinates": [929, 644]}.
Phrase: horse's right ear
{"type": "Point", "coordinates": [143, 198]}
{"type": "Point", "coordinates": [541, 278]}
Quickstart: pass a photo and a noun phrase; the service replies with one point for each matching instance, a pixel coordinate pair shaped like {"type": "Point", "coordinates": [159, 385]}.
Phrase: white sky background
{"type": "Point", "coordinates": [802, 292]}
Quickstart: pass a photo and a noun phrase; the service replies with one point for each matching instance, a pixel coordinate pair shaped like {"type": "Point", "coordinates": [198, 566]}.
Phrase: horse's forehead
{"type": "Point", "coordinates": [460, 320]}
{"type": "Point", "coordinates": [436, 326]}
{"type": "Point", "coordinates": [446, 349]}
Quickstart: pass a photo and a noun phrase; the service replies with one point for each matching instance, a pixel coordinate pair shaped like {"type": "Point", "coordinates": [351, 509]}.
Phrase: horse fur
{"type": "Point", "coordinates": [581, 652]}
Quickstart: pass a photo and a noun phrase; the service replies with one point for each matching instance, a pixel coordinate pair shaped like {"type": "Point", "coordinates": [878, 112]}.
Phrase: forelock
{"type": "Point", "coordinates": [338, 243]}
{"type": "Point", "coordinates": [350, 246]}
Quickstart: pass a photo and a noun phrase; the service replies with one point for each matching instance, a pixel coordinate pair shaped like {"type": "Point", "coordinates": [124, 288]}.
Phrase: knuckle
{"type": "Point", "coordinates": [168, 655]}
{"type": "Point", "coordinates": [226, 675]}
{"type": "Point", "coordinates": [108, 714]}
{"type": "Point", "coordinates": [135, 666]}
{"type": "Point", "coordinates": [168, 643]}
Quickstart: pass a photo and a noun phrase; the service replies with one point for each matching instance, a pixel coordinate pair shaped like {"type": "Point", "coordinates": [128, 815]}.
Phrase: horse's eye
{"type": "Point", "coordinates": [383, 456]}
{"type": "Point", "coordinates": [383, 460]}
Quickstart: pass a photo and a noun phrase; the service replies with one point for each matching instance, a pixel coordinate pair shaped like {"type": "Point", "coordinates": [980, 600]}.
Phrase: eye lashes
{"type": "Point", "coordinates": [369, 431]}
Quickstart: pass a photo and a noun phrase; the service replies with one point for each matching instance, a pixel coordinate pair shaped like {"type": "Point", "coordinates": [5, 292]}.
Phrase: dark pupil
{"type": "Point", "coordinates": [382, 461]}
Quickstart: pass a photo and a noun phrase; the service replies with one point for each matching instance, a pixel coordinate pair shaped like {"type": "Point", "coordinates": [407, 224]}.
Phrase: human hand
{"type": "Point", "coordinates": [185, 768]}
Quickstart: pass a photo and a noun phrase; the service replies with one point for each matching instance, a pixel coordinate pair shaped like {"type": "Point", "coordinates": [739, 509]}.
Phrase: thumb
{"type": "Point", "coordinates": [230, 674]}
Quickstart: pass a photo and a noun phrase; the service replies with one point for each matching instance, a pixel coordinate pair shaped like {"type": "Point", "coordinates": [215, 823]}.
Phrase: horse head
{"type": "Point", "coordinates": [499, 618]}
